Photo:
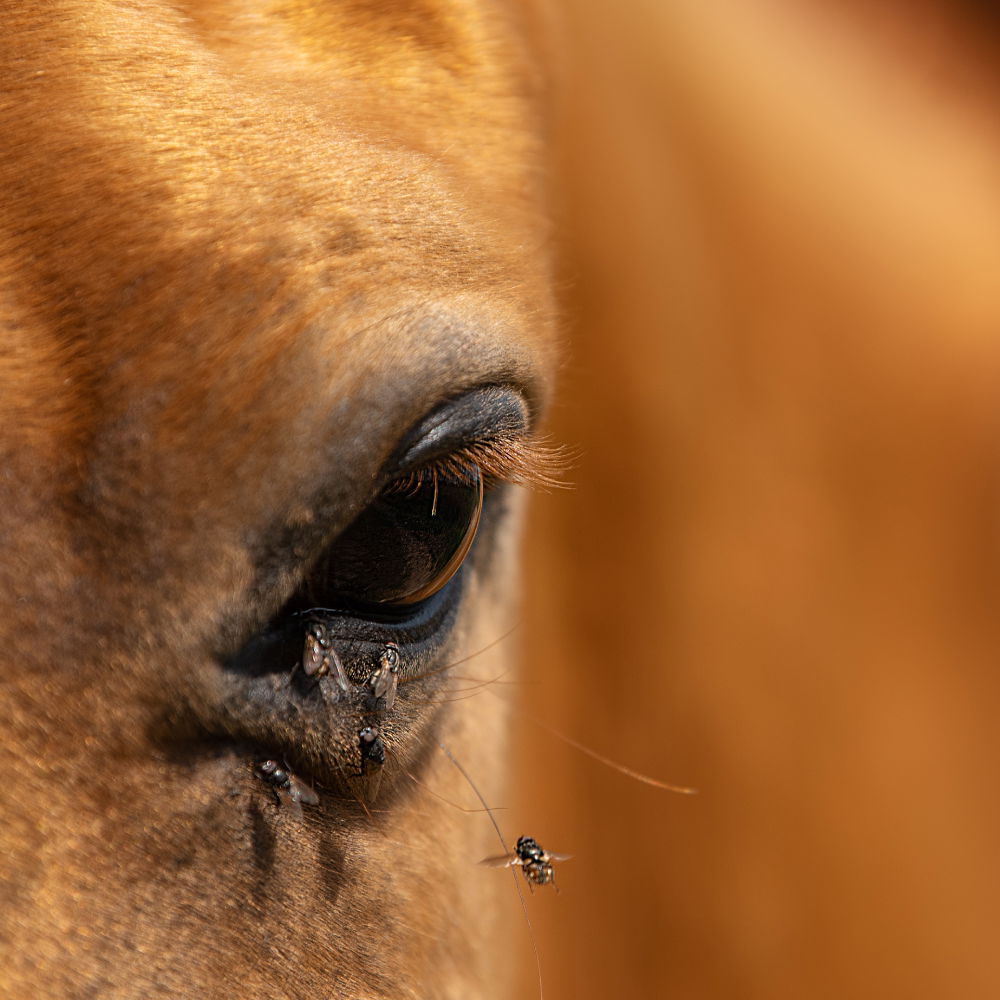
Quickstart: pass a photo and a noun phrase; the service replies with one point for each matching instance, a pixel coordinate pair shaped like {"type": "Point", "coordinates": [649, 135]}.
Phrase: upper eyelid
{"type": "Point", "coordinates": [467, 422]}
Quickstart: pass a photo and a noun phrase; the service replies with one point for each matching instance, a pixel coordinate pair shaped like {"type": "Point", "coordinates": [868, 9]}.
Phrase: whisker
{"type": "Point", "coordinates": [474, 688]}
{"type": "Point", "coordinates": [606, 761]}
{"type": "Point", "coordinates": [443, 798]}
{"type": "Point", "coordinates": [454, 663]}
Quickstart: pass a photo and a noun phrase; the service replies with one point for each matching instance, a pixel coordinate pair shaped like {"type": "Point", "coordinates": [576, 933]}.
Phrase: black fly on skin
{"type": "Point", "coordinates": [372, 749]}
{"type": "Point", "coordinates": [289, 791]}
{"type": "Point", "coordinates": [385, 678]}
{"type": "Point", "coordinates": [320, 659]}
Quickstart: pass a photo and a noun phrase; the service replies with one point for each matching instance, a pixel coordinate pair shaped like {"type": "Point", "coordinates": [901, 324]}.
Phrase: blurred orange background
{"type": "Point", "coordinates": [776, 576]}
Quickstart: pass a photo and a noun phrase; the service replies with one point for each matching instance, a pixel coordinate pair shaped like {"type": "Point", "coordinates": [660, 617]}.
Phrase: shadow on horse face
{"type": "Point", "coordinates": [257, 274]}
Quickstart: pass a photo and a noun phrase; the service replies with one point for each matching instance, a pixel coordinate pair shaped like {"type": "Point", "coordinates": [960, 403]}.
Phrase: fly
{"type": "Point", "coordinates": [289, 791]}
{"type": "Point", "coordinates": [372, 748]}
{"type": "Point", "coordinates": [534, 861]}
{"type": "Point", "coordinates": [384, 680]}
{"type": "Point", "coordinates": [319, 658]}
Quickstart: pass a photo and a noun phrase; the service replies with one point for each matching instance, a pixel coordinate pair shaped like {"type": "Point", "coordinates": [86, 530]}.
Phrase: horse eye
{"type": "Point", "coordinates": [405, 545]}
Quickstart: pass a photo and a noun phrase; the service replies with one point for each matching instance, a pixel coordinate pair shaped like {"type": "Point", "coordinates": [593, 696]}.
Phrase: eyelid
{"type": "Point", "coordinates": [478, 415]}
{"type": "Point", "coordinates": [487, 428]}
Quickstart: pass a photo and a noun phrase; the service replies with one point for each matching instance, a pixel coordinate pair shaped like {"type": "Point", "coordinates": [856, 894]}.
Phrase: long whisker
{"type": "Point", "coordinates": [606, 761]}
{"type": "Point", "coordinates": [454, 663]}
{"type": "Point", "coordinates": [443, 798]}
{"type": "Point", "coordinates": [473, 688]}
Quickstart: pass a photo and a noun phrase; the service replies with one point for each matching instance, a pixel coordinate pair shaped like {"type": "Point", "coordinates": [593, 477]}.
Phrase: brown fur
{"type": "Point", "coordinates": [244, 247]}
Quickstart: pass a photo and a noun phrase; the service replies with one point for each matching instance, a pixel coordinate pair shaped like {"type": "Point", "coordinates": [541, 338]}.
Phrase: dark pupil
{"type": "Point", "coordinates": [404, 546]}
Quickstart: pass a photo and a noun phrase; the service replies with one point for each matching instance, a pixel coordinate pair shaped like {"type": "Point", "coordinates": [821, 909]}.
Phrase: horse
{"type": "Point", "coordinates": [276, 274]}
{"type": "Point", "coordinates": [277, 340]}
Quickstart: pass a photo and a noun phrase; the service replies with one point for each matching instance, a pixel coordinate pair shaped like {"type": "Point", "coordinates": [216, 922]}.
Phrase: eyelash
{"type": "Point", "coordinates": [524, 462]}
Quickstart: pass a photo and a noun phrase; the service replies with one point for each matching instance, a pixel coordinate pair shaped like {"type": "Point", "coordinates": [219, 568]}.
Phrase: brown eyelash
{"type": "Point", "coordinates": [525, 462]}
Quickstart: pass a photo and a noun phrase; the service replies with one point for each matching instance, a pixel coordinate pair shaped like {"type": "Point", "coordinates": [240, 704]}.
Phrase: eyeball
{"type": "Point", "coordinates": [405, 545]}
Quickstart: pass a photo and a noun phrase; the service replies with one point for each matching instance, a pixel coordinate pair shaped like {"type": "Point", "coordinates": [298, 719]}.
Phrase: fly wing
{"type": "Point", "coordinates": [501, 861]}
{"type": "Point", "coordinates": [552, 856]}
{"type": "Point", "coordinates": [290, 801]}
{"type": "Point", "coordinates": [300, 792]}
{"type": "Point", "coordinates": [339, 674]}
{"type": "Point", "coordinates": [312, 656]}
{"type": "Point", "coordinates": [390, 692]}
{"type": "Point", "coordinates": [380, 681]}
{"type": "Point", "coordinates": [383, 684]}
